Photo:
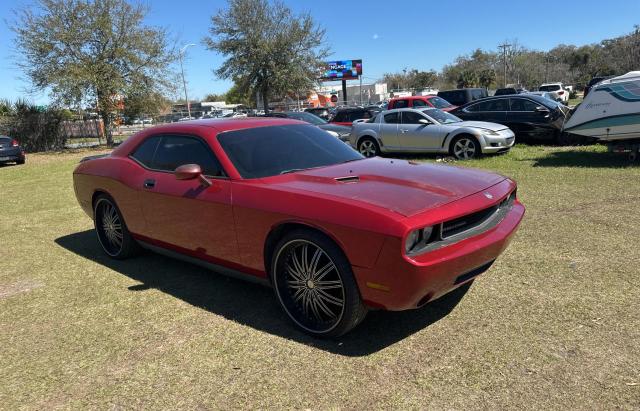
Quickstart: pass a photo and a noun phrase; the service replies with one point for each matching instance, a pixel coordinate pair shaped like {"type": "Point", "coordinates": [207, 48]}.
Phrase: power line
{"type": "Point", "coordinates": [504, 59]}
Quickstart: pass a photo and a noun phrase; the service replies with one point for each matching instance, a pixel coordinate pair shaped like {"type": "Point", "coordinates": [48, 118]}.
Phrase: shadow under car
{"type": "Point", "coordinates": [255, 305]}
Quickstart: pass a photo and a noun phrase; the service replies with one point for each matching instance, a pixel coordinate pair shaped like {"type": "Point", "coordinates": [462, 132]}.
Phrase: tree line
{"type": "Point", "coordinates": [100, 53]}
{"type": "Point", "coordinates": [569, 64]}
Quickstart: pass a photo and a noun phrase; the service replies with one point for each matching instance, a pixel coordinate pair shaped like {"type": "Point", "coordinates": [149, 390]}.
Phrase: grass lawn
{"type": "Point", "coordinates": [574, 101]}
{"type": "Point", "coordinates": [555, 323]}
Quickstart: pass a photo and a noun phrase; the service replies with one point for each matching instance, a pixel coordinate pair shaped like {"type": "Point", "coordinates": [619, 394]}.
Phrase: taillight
{"type": "Point", "coordinates": [560, 93]}
{"type": "Point", "coordinates": [14, 143]}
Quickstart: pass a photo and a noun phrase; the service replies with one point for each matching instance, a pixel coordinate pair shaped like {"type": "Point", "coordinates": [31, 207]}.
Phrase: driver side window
{"type": "Point", "coordinates": [173, 151]}
{"type": "Point", "coordinates": [411, 117]}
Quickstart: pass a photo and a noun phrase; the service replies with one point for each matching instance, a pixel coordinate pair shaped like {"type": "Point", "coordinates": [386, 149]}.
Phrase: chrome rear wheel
{"type": "Point", "coordinates": [113, 235]}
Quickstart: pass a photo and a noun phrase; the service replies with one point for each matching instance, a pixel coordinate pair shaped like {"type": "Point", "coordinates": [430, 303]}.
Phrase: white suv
{"type": "Point", "coordinates": [558, 91]}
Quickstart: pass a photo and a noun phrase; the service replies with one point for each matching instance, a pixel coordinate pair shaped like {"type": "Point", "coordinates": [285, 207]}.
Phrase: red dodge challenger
{"type": "Point", "coordinates": [285, 203]}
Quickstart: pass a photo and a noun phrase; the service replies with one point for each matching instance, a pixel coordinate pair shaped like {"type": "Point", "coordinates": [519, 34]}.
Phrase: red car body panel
{"type": "Point", "coordinates": [369, 218]}
{"type": "Point", "coordinates": [411, 99]}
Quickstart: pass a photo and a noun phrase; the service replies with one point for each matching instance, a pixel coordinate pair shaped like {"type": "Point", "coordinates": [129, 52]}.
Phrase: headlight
{"type": "Point", "coordinates": [417, 239]}
{"type": "Point", "coordinates": [491, 133]}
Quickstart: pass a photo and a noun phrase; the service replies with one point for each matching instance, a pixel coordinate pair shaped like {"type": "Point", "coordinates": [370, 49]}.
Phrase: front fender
{"type": "Point", "coordinates": [464, 130]}
{"type": "Point", "coordinates": [358, 134]}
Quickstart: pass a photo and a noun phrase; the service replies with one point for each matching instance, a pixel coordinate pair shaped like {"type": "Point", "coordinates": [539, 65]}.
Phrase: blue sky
{"type": "Point", "coordinates": [387, 35]}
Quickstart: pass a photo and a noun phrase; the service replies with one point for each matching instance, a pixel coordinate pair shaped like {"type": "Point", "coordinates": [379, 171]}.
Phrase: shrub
{"type": "Point", "coordinates": [36, 128]}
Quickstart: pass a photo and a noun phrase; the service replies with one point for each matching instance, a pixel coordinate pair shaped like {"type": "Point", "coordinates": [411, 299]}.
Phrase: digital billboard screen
{"type": "Point", "coordinates": [342, 70]}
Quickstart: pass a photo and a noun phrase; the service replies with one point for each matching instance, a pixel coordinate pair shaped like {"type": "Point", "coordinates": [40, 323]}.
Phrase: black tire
{"type": "Point", "coordinates": [297, 280]}
{"type": "Point", "coordinates": [465, 147]}
{"type": "Point", "coordinates": [19, 162]}
{"type": "Point", "coordinates": [568, 139]}
{"type": "Point", "coordinates": [368, 147]}
{"type": "Point", "coordinates": [111, 229]}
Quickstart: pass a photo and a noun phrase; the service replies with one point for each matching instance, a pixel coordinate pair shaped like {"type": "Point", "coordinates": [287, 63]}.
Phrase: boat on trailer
{"type": "Point", "coordinates": [611, 111]}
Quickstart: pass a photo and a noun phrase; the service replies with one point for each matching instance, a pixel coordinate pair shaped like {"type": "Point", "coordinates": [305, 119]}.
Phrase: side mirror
{"type": "Point", "coordinates": [542, 109]}
{"type": "Point", "coordinates": [424, 121]}
{"type": "Point", "coordinates": [188, 172]}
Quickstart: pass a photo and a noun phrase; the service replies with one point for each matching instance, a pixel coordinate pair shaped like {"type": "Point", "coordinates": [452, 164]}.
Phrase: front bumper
{"type": "Point", "coordinates": [500, 143]}
{"type": "Point", "coordinates": [398, 282]}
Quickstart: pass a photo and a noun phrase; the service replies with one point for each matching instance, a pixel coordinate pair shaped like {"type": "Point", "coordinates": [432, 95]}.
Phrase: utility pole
{"type": "Point", "coordinates": [184, 83]}
{"type": "Point", "coordinates": [504, 60]}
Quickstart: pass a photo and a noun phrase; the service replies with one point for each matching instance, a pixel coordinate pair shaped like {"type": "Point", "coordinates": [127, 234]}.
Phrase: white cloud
{"type": "Point", "coordinates": [375, 36]}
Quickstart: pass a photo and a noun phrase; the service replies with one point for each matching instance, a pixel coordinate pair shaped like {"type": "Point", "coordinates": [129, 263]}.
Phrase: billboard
{"type": "Point", "coordinates": [342, 70]}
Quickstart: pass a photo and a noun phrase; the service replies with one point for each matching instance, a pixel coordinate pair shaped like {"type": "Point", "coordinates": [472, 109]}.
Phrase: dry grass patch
{"type": "Point", "coordinates": [553, 324]}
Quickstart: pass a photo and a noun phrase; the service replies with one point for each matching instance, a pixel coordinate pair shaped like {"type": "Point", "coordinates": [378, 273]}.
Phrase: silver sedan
{"type": "Point", "coordinates": [429, 131]}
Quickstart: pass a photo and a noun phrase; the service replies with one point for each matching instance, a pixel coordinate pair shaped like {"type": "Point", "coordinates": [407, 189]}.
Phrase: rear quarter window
{"type": "Point", "coordinates": [144, 152]}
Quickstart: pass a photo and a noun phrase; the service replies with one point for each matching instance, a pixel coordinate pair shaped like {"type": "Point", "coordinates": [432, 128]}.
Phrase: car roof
{"type": "Point", "coordinates": [414, 97]}
{"type": "Point", "coordinates": [218, 125]}
{"type": "Point", "coordinates": [354, 109]}
{"type": "Point", "coordinates": [534, 97]}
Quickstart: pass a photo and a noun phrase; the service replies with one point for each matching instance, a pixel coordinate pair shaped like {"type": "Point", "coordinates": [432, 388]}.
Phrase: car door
{"type": "Point", "coordinates": [389, 123]}
{"type": "Point", "coordinates": [494, 110]}
{"type": "Point", "coordinates": [526, 119]}
{"type": "Point", "coordinates": [185, 214]}
{"type": "Point", "coordinates": [415, 134]}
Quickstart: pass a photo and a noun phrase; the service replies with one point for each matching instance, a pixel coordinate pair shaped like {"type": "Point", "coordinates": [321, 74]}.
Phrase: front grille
{"type": "Point", "coordinates": [457, 226]}
{"type": "Point", "coordinates": [473, 273]}
{"type": "Point", "coordinates": [452, 231]}
{"type": "Point", "coordinates": [470, 221]}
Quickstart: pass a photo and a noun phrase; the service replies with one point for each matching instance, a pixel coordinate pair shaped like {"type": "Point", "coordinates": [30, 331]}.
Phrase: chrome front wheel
{"type": "Point", "coordinates": [315, 286]}
{"type": "Point", "coordinates": [465, 148]}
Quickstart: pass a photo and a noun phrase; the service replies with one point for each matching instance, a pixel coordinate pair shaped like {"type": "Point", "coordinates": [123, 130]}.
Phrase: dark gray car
{"type": "Point", "coordinates": [342, 132]}
{"type": "Point", "coordinates": [10, 151]}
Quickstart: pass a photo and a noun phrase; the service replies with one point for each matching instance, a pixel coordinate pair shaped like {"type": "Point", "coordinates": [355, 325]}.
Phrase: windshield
{"type": "Point", "coordinates": [441, 117]}
{"type": "Point", "coordinates": [269, 151]}
{"type": "Point", "coordinates": [554, 87]}
{"type": "Point", "coordinates": [439, 102]}
{"type": "Point", "coordinates": [308, 117]}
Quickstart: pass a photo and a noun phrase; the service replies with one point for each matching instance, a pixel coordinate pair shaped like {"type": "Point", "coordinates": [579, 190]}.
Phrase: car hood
{"type": "Point", "coordinates": [480, 124]}
{"type": "Point", "coordinates": [336, 128]}
{"type": "Point", "coordinates": [404, 187]}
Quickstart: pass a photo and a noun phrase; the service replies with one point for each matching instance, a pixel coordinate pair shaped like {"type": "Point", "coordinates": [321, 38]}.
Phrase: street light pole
{"type": "Point", "coordinates": [184, 83]}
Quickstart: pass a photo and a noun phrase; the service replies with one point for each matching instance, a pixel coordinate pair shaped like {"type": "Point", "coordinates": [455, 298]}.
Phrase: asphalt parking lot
{"type": "Point", "coordinates": [553, 324]}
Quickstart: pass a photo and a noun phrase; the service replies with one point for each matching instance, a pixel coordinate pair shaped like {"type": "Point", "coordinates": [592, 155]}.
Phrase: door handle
{"type": "Point", "coordinates": [404, 130]}
{"type": "Point", "coordinates": [149, 183]}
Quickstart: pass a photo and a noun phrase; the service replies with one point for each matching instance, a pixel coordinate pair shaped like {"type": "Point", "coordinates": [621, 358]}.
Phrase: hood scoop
{"type": "Point", "coordinates": [347, 179]}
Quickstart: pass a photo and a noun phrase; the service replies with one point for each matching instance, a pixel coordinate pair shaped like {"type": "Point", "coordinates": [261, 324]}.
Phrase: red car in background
{"type": "Point", "coordinates": [285, 203]}
{"type": "Point", "coordinates": [421, 101]}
